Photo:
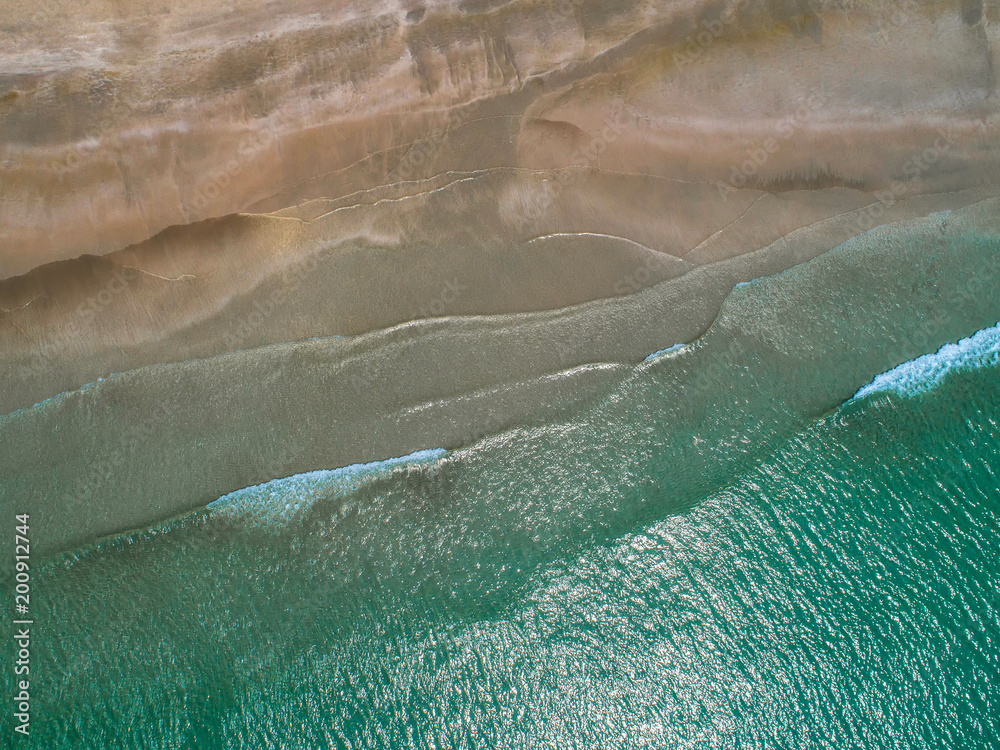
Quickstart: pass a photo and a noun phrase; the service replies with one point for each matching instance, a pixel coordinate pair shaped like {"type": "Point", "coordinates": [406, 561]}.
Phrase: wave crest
{"type": "Point", "coordinates": [924, 373]}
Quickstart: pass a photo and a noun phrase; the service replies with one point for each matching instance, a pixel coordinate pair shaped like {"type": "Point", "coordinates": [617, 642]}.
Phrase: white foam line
{"type": "Point", "coordinates": [924, 373]}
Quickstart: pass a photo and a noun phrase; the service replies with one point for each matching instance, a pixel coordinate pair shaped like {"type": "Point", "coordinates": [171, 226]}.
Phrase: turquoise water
{"type": "Point", "coordinates": [568, 586]}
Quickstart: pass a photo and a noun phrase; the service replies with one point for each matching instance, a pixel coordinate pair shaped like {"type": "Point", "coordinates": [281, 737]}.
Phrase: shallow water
{"type": "Point", "coordinates": [562, 587]}
{"type": "Point", "coordinates": [150, 444]}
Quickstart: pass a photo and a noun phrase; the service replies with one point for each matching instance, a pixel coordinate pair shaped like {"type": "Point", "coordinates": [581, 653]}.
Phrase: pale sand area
{"type": "Point", "coordinates": [123, 120]}
{"type": "Point", "coordinates": [154, 442]}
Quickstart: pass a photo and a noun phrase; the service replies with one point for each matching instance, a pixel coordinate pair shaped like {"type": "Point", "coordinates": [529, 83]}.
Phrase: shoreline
{"type": "Point", "coordinates": [466, 373]}
{"type": "Point", "coordinates": [250, 282]}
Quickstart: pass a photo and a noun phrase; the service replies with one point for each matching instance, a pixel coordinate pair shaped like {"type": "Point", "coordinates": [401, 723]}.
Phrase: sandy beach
{"type": "Point", "coordinates": [448, 219]}
{"type": "Point", "coordinates": [500, 374]}
{"type": "Point", "coordinates": [123, 123]}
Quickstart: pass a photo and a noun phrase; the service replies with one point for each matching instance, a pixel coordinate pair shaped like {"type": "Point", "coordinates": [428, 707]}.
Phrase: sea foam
{"type": "Point", "coordinates": [924, 373]}
{"type": "Point", "coordinates": [281, 501]}
{"type": "Point", "coordinates": [663, 352]}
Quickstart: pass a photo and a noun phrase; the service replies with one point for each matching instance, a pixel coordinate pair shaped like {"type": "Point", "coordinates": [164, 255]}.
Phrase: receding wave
{"type": "Point", "coordinates": [664, 352]}
{"type": "Point", "coordinates": [282, 501]}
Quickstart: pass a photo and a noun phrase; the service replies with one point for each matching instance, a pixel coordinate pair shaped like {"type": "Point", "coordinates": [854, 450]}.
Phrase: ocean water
{"type": "Point", "coordinates": [591, 584]}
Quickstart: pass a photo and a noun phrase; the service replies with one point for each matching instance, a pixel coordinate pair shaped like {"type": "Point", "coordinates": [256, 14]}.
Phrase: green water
{"type": "Point", "coordinates": [589, 584]}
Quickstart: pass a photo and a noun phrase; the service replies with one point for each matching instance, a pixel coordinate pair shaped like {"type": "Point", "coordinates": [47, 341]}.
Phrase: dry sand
{"type": "Point", "coordinates": [121, 121]}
